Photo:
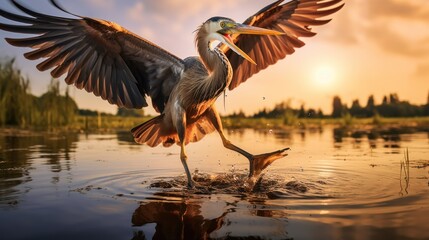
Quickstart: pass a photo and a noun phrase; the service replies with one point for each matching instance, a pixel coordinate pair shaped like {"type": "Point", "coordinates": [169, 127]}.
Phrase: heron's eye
{"type": "Point", "coordinates": [222, 24]}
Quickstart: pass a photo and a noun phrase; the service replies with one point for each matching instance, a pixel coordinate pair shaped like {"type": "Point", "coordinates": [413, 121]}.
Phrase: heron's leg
{"type": "Point", "coordinates": [181, 131]}
{"type": "Point", "coordinates": [257, 163]}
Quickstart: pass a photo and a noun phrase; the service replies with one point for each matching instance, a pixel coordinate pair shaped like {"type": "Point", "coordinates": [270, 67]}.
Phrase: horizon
{"type": "Point", "coordinates": [372, 49]}
{"type": "Point", "coordinates": [386, 96]}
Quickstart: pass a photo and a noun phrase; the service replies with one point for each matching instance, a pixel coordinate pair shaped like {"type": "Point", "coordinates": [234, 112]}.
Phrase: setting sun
{"type": "Point", "coordinates": [324, 76]}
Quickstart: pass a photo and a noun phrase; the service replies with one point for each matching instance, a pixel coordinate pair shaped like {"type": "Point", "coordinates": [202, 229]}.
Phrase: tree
{"type": "Point", "coordinates": [338, 108]}
{"type": "Point", "coordinates": [239, 114]}
{"type": "Point", "coordinates": [56, 110]}
{"type": "Point", "coordinates": [370, 106]}
{"type": "Point", "coordinates": [385, 100]}
{"type": "Point", "coordinates": [311, 113]}
{"type": "Point", "coordinates": [394, 99]}
{"type": "Point", "coordinates": [371, 102]}
{"type": "Point", "coordinates": [320, 113]}
{"type": "Point", "coordinates": [302, 113]}
{"type": "Point", "coordinates": [16, 103]}
{"type": "Point", "coordinates": [356, 110]}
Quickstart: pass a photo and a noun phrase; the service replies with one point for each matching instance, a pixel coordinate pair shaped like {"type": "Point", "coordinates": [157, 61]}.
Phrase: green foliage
{"type": "Point", "coordinates": [377, 119]}
{"type": "Point", "coordinates": [14, 98]}
{"type": "Point", "coordinates": [123, 112]}
{"type": "Point", "coordinates": [347, 119]}
{"type": "Point", "coordinates": [56, 110]}
{"type": "Point", "coordinates": [290, 118]}
{"type": "Point", "coordinates": [19, 108]}
{"type": "Point", "coordinates": [239, 114]}
{"type": "Point", "coordinates": [106, 123]}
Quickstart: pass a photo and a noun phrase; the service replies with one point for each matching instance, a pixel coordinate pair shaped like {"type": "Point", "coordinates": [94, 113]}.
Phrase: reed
{"type": "Point", "coordinates": [19, 108]}
{"type": "Point", "coordinates": [15, 102]}
{"type": "Point", "coordinates": [404, 175]}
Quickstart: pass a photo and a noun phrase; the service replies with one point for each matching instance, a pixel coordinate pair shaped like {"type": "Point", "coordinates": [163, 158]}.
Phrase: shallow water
{"type": "Point", "coordinates": [79, 186]}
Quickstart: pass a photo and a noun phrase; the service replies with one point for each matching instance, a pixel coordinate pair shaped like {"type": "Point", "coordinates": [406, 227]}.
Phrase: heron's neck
{"type": "Point", "coordinates": [214, 59]}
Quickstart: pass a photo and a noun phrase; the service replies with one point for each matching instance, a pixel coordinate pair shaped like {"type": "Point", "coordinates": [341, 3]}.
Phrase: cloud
{"type": "Point", "coordinates": [391, 41]}
{"type": "Point", "coordinates": [156, 19]}
{"type": "Point", "coordinates": [183, 10]}
{"type": "Point", "coordinates": [417, 10]}
{"type": "Point", "coordinates": [422, 70]}
{"type": "Point", "coordinates": [106, 4]}
{"type": "Point", "coordinates": [136, 12]}
{"type": "Point", "coordinates": [395, 26]}
{"type": "Point", "coordinates": [343, 28]}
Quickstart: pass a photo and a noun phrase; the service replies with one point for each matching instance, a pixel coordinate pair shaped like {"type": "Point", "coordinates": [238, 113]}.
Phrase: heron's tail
{"type": "Point", "coordinates": [153, 133]}
{"type": "Point", "coordinates": [150, 133]}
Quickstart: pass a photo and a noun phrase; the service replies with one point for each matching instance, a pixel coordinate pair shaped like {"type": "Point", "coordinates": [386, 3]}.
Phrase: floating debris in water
{"type": "Point", "coordinates": [86, 189]}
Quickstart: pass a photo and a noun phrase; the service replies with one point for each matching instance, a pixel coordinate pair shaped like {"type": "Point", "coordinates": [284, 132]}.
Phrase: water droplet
{"type": "Point", "coordinates": [263, 98]}
{"type": "Point", "coordinates": [232, 168]}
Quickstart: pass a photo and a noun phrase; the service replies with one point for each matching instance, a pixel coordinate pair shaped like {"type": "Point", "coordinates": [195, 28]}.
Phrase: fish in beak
{"type": "Point", "coordinates": [244, 29]}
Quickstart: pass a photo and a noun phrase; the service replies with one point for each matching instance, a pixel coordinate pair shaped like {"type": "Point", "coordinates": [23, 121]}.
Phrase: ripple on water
{"type": "Point", "coordinates": [315, 189]}
{"type": "Point", "coordinates": [132, 185]}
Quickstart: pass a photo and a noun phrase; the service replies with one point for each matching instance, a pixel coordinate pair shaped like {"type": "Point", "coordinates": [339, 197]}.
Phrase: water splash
{"type": "Point", "coordinates": [236, 183]}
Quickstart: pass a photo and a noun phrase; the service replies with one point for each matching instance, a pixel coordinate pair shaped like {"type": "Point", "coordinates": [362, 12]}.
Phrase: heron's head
{"type": "Point", "coordinates": [222, 29]}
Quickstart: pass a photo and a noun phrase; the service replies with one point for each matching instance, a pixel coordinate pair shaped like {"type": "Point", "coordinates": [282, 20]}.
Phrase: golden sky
{"type": "Point", "coordinates": [370, 47]}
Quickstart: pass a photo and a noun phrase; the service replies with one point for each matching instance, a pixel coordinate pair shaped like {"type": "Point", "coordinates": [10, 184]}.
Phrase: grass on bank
{"type": "Point", "coordinates": [346, 121]}
{"type": "Point", "coordinates": [111, 123]}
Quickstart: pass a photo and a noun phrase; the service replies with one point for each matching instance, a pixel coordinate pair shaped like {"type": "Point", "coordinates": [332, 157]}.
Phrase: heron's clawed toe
{"type": "Point", "coordinates": [259, 162]}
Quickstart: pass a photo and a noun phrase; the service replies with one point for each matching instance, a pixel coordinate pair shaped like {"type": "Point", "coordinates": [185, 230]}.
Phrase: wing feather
{"type": "Point", "coordinates": [294, 18]}
{"type": "Point", "coordinates": [98, 56]}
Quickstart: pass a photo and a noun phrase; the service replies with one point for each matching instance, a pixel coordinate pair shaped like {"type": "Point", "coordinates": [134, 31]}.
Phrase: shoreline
{"type": "Point", "coordinates": [348, 127]}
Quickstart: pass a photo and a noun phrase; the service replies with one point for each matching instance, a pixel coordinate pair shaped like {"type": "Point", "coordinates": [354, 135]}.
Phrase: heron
{"type": "Point", "coordinates": [125, 69]}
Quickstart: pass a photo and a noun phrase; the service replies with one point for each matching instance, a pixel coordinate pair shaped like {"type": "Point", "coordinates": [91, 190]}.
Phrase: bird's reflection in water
{"type": "Point", "coordinates": [175, 220]}
{"type": "Point", "coordinates": [210, 218]}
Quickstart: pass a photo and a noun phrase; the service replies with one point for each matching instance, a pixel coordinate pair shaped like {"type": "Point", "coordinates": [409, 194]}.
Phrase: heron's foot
{"type": "Point", "coordinates": [191, 184]}
{"type": "Point", "coordinates": [259, 162]}
{"type": "Point", "coordinates": [197, 188]}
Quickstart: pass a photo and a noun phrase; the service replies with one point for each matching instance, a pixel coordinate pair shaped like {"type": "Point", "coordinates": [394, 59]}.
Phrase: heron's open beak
{"type": "Point", "coordinates": [244, 29]}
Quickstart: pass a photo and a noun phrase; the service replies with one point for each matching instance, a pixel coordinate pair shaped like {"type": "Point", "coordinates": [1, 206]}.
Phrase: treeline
{"type": "Point", "coordinates": [391, 106]}
{"type": "Point", "coordinates": [18, 107]}
{"type": "Point", "coordinates": [284, 111]}
{"type": "Point", "coordinates": [121, 112]}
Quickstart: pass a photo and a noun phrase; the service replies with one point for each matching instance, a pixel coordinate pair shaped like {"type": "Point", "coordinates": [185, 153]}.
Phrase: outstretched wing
{"type": "Point", "coordinates": [293, 18]}
{"type": "Point", "coordinates": [98, 56]}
